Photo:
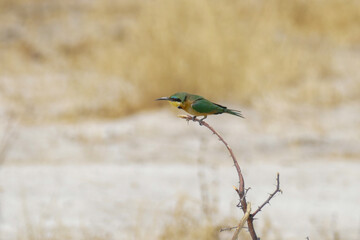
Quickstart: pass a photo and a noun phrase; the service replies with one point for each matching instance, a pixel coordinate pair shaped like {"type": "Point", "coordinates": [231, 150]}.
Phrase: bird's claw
{"type": "Point", "coordinates": [201, 121]}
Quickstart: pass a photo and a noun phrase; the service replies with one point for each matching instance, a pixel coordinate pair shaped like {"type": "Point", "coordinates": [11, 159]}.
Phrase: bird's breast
{"type": "Point", "coordinates": [188, 108]}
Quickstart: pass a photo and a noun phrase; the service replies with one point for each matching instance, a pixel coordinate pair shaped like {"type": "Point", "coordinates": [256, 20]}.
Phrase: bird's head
{"type": "Point", "coordinates": [176, 99]}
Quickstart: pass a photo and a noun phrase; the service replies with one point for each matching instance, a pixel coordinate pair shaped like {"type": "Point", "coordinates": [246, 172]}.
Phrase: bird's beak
{"type": "Point", "coordinates": [163, 98]}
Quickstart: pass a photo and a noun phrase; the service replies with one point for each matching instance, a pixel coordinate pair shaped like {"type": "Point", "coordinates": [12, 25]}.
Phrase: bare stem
{"type": "Point", "coordinates": [227, 229]}
{"type": "Point", "coordinates": [241, 189]}
{"type": "Point", "coordinates": [245, 206]}
{"type": "Point", "coordinates": [267, 201]}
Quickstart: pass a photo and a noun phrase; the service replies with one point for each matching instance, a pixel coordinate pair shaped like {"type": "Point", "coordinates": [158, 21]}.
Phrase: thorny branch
{"type": "Point", "coordinates": [245, 206]}
{"type": "Point", "coordinates": [270, 195]}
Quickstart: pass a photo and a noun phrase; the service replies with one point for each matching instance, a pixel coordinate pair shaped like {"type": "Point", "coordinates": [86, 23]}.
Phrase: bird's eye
{"type": "Point", "coordinates": [176, 99]}
{"type": "Point", "coordinates": [179, 107]}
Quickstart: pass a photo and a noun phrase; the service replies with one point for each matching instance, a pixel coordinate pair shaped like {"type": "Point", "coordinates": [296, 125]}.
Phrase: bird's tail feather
{"type": "Point", "coordinates": [234, 112]}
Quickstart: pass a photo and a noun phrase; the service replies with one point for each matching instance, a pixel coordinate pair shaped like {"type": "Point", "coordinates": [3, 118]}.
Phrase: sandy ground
{"type": "Point", "coordinates": [160, 137]}
{"type": "Point", "coordinates": [111, 177]}
{"type": "Point", "coordinates": [112, 199]}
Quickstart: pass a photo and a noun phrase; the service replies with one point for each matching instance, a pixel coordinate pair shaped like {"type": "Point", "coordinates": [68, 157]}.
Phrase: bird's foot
{"type": "Point", "coordinates": [201, 121]}
{"type": "Point", "coordinates": [187, 118]}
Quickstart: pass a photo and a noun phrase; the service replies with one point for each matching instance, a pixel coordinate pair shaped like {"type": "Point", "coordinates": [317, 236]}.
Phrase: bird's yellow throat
{"type": "Point", "coordinates": [175, 104]}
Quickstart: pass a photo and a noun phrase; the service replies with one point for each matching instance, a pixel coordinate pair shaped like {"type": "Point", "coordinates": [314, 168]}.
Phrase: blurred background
{"type": "Point", "coordinates": [86, 152]}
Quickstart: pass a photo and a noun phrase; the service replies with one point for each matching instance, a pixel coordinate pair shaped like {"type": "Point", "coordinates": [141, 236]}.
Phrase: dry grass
{"type": "Point", "coordinates": [182, 223]}
{"type": "Point", "coordinates": [106, 59]}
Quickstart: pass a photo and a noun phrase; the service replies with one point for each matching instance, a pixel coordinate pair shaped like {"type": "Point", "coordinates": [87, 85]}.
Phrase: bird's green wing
{"type": "Point", "coordinates": [205, 106]}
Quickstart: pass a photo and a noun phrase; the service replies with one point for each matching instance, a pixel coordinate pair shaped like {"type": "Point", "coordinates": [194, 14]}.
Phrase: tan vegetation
{"type": "Point", "coordinates": [69, 60]}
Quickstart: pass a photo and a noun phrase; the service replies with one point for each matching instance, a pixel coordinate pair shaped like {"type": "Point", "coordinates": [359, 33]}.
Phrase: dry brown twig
{"type": "Point", "coordinates": [242, 222]}
{"type": "Point", "coordinates": [5, 139]}
{"type": "Point", "coordinates": [271, 195]}
{"type": "Point", "coordinates": [245, 206]}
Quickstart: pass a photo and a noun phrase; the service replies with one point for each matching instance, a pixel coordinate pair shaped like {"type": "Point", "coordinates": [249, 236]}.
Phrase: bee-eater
{"type": "Point", "coordinates": [197, 105]}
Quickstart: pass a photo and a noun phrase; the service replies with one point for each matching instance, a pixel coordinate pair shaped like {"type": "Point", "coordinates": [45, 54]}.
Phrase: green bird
{"type": "Point", "coordinates": [197, 105]}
